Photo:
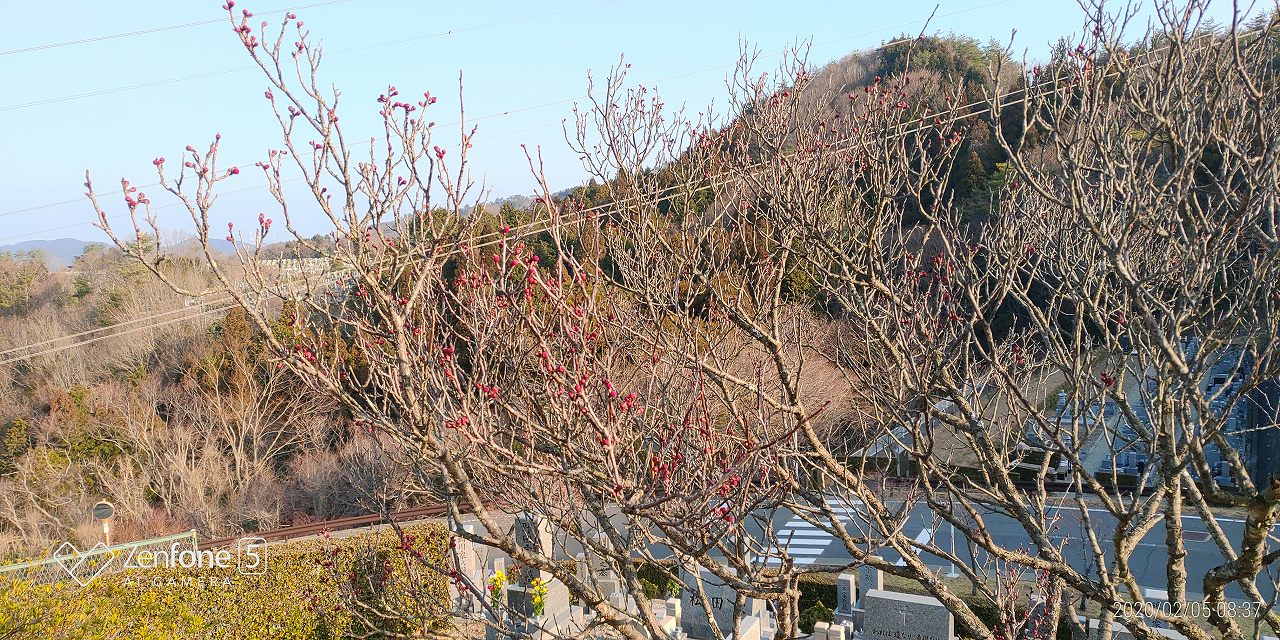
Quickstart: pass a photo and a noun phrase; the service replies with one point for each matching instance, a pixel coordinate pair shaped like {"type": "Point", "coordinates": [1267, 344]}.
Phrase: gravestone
{"type": "Point", "coordinates": [1039, 619]}
{"type": "Point", "coordinates": [869, 579]}
{"type": "Point", "coordinates": [846, 598]}
{"type": "Point", "coordinates": [1157, 599]}
{"type": "Point", "coordinates": [749, 629]}
{"type": "Point", "coordinates": [694, 618]}
{"type": "Point", "coordinates": [1119, 632]}
{"type": "Point", "coordinates": [598, 574]}
{"type": "Point", "coordinates": [534, 535]}
{"type": "Point", "coordinates": [469, 564]}
{"type": "Point", "coordinates": [905, 616]}
{"type": "Point", "coordinates": [670, 615]}
{"type": "Point", "coordinates": [828, 631]}
{"type": "Point", "coordinates": [846, 592]}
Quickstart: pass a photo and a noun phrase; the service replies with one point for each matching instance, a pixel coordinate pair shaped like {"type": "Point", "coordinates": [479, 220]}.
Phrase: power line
{"type": "Point", "coordinates": [496, 237]}
{"type": "Point", "coordinates": [172, 27]}
{"type": "Point", "coordinates": [171, 311]}
{"type": "Point", "coordinates": [967, 113]}
{"type": "Point", "coordinates": [258, 187]}
{"type": "Point", "coordinates": [219, 72]}
{"type": "Point", "coordinates": [559, 101]}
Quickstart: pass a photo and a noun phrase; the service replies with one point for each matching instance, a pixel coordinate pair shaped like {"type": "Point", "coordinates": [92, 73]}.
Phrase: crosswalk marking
{"type": "Point", "coordinates": [925, 535]}
{"type": "Point", "coordinates": [805, 542]}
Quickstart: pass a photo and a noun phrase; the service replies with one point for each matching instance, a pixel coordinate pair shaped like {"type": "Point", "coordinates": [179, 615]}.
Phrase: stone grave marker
{"type": "Point", "coordinates": [534, 535]}
{"type": "Point", "coordinates": [846, 592]}
{"type": "Point", "coordinates": [888, 615]}
{"type": "Point", "coordinates": [1119, 632]}
{"type": "Point", "coordinates": [671, 615]}
{"type": "Point", "coordinates": [695, 620]}
{"type": "Point", "coordinates": [1038, 619]}
{"type": "Point", "coordinates": [1158, 599]}
{"type": "Point", "coordinates": [846, 599]}
{"type": "Point", "coordinates": [469, 565]}
{"type": "Point", "coordinates": [869, 579]}
{"type": "Point", "coordinates": [749, 629]}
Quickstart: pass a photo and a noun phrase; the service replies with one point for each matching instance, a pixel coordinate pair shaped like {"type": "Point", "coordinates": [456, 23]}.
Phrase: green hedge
{"type": "Point", "coordinates": [817, 588]}
{"type": "Point", "coordinates": [365, 586]}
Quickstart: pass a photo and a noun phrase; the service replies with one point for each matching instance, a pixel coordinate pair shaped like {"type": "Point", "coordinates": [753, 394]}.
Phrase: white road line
{"type": "Point", "coordinates": [923, 537]}
{"type": "Point", "coordinates": [803, 542]}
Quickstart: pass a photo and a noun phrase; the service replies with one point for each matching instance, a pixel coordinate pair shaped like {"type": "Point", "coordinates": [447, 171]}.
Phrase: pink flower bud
{"type": "Point", "coordinates": [158, 161]}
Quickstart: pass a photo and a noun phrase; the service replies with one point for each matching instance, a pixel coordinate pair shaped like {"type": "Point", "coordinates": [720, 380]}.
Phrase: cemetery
{"type": "Point", "coordinates": [860, 612]}
{"type": "Point", "coordinates": [532, 605]}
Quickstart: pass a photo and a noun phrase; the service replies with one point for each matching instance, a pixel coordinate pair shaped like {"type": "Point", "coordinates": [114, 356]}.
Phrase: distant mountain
{"type": "Point", "coordinates": [517, 201]}
{"type": "Point", "coordinates": [191, 247]}
{"type": "Point", "coordinates": [58, 253]}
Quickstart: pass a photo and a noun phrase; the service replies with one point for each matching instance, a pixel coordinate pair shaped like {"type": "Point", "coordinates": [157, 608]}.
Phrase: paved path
{"type": "Point", "coordinates": [808, 544]}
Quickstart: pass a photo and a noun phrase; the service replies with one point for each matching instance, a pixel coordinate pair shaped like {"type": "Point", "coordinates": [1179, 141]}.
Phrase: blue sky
{"type": "Point", "coordinates": [523, 63]}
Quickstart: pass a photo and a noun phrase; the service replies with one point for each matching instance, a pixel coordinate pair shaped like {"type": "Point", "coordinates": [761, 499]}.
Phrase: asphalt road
{"type": "Point", "coordinates": [810, 545]}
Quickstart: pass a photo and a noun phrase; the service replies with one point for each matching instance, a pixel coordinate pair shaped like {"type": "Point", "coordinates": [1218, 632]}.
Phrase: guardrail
{"type": "Point", "coordinates": [316, 528]}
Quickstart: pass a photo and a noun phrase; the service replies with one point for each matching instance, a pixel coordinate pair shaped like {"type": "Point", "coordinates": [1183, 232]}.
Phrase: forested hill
{"type": "Point", "coordinates": [188, 425]}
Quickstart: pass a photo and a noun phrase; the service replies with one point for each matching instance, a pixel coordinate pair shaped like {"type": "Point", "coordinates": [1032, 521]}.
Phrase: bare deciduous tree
{"type": "Point", "coordinates": [787, 312]}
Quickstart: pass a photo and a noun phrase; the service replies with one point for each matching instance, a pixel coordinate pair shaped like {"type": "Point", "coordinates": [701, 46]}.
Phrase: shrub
{"type": "Point", "coordinates": [817, 613]}
{"type": "Point", "coordinates": [367, 586]}
{"type": "Point", "coordinates": [817, 589]}
{"type": "Point", "coordinates": [663, 585]}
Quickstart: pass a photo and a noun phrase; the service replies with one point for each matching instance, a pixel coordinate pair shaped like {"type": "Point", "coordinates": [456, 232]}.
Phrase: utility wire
{"type": "Point", "coordinates": [965, 112]}
{"type": "Point", "coordinates": [219, 72]}
{"type": "Point", "coordinates": [574, 98]}
{"type": "Point", "coordinates": [577, 217]}
{"type": "Point", "coordinates": [258, 187]}
{"type": "Point", "coordinates": [172, 27]}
